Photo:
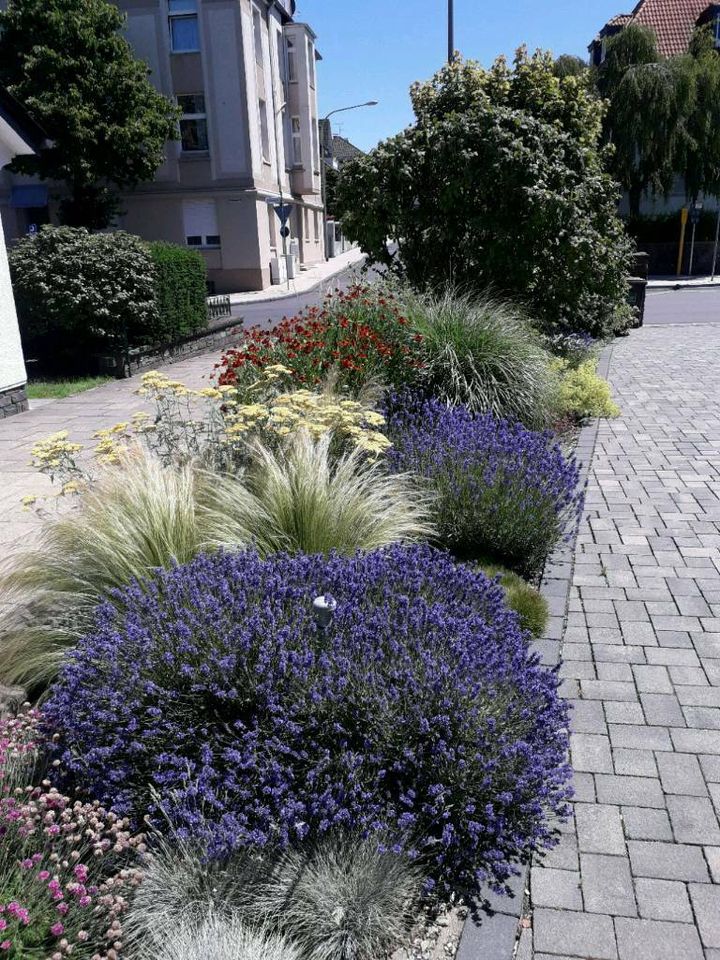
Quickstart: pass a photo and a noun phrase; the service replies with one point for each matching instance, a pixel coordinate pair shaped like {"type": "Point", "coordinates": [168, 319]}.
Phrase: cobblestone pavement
{"type": "Point", "coordinates": [81, 415]}
{"type": "Point", "coordinates": [637, 873]}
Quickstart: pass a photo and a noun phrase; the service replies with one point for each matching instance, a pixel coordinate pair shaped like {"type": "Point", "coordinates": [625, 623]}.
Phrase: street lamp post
{"type": "Point", "coordinates": [451, 30]}
{"type": "Point", "coordinates": [355, 106]}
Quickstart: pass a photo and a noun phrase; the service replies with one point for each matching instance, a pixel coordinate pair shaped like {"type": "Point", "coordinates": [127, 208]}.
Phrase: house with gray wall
{"type": "Point", "coordinates": [244, 75]}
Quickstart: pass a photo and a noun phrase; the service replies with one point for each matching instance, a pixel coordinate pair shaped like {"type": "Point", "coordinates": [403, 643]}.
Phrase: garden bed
{"type": "Point", "coordinates": [284, 628]}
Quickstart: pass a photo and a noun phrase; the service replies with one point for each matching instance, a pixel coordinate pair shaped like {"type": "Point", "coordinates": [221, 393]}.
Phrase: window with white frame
{"type": "Point", "coordinates": [316, 218]}
{"type": "Point", "coordinates": [282, 61]}
{"type": "Point", "coordinates": [200, 220]}
{"type": "Point", "coordinates": [311, 62]}
{"type": "Point", "coordinates": [193, 123]}
{"type": "Point", "coordinates": [291, 60]}
{"type": "Point", "coordinates": [184, 26]}
{"type": "Point", "coordinates": [257, 35]}
{"type": "Point", "coordinates": [272, 227]}
{"type": "Point", "coordinates": [296, 140]}
{"type": "Point", "coordinates": [264, 130]}
{"type": "Point", "coordinates": [314, 137]}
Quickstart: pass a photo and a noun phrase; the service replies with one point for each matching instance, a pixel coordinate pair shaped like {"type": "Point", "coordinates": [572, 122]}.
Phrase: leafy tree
{"type": "Point", "coordinates": [649, 100]}
{"type": "Point", "coordinates": [699, 160]}
{"type": "Point", "coordinates": [498, 184]}
{"type": "Point", "coordinates": [568, 65]}
{"type": "Point", "coordinates": [331, 181]}
{"type": "Point", "coordinates": [68, 62]}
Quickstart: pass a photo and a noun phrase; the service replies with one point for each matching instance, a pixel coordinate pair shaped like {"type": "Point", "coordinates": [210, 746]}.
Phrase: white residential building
{"type": "Point", "coordinates": [18, 136]}
{"type": "Point", "coordinates": [244, 75]}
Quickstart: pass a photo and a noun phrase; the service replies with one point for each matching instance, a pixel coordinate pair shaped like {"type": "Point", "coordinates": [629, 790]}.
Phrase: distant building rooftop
{"type": "Point", "coordinates": [672, 20]}
{"type": "Point", "coordinates": [343, 150]}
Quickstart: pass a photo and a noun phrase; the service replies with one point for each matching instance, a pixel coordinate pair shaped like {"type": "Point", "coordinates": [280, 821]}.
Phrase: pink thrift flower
{"type": "Point", "coordinates": [62, 908]}
{"type": "Point", "coordinates": [57, 929]}
{"type": "Point", "coordinates": [6, 945]}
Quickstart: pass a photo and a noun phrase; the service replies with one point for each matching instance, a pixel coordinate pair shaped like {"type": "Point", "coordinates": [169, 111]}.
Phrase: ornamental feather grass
{"type": "Point", "coordinates": [142, 516]}
{"type": "Point", "coordinates": [484, 354]}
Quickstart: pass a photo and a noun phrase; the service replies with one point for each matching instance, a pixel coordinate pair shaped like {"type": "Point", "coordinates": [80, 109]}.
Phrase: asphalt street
{"type": "Point", "coordinates": [269, 313]}
{"type": "Point", "coordinates": [683, 306]}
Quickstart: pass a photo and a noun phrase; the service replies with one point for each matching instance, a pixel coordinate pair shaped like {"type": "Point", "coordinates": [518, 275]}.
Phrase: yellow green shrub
{"type": "Point", "coordinates": [582, 392]}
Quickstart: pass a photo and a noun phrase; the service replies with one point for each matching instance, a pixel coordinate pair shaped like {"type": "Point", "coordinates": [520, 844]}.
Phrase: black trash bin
{"type": "Point", "coordinates": [638, 287]}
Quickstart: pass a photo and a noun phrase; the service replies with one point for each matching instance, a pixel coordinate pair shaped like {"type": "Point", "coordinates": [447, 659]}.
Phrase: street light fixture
{"type": "Point", "coordinates": [355, 106]}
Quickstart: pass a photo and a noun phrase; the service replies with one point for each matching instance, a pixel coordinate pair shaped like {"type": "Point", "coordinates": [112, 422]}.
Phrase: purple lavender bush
{"type": "Point", "coordinates": [503, 492]}
{"type": "Point", "coordinates": [420, 714]}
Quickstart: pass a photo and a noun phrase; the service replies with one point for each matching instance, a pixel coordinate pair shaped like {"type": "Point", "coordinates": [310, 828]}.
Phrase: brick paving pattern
{"type": "Point", "coordinates": [637, 873]}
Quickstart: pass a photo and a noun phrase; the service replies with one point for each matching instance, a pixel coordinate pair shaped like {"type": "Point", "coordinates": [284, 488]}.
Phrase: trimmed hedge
{"type": "Point", "coordinates": [79, 292]}
{"type": "Point", "coordinates": [180, 290]}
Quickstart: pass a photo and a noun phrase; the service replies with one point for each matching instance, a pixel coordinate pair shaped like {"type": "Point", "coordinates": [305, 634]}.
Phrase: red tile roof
{"type": "Point", "coordinates": [672, 20]}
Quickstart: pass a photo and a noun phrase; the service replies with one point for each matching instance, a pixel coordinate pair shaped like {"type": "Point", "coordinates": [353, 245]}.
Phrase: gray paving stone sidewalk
{"type": "Point", "coordinates": [81, 415]}
{"type": "Point", "coordinates": [637, 873]}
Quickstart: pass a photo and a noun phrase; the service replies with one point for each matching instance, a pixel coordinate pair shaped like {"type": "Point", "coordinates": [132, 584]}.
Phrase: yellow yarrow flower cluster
{"type": "Point", "coordinates": [156, 384]}
{"type": "Point", "coordinates": [109, 451]}
{"type": "Point", "coordinates": [316, 413]}
{"type": "Point", "coordinates": [53, 451]}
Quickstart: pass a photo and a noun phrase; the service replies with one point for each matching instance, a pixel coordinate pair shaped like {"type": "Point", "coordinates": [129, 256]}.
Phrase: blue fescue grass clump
{"type": "Point", "coordinates": [502, 491]}
{"type": "Point", "coordinates": [419, 715]}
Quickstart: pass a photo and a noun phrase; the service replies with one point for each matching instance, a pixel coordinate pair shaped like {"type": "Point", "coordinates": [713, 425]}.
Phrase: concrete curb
{"type": "Point", "coordinates": [702, 284]}
{"type": "Point", "coordinates": [495, 937]}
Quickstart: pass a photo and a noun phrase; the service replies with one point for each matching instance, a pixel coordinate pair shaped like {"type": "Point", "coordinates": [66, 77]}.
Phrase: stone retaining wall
{"type": "Point", "coordinates": [13, 401]}
{"type": "Point", "coordinates": [219, 337]}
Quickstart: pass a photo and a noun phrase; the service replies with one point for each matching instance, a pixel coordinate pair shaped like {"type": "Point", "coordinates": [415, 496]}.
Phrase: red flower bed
{"type": "Point", "coordinates": [358, 333]}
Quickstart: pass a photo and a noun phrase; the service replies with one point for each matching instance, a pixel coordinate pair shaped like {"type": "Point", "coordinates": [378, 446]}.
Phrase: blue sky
{"type": "Point", "coordinates": [374, 49]}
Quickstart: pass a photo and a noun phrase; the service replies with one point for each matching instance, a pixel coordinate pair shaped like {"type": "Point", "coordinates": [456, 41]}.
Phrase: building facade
{"type": "Point", "coordinates": [18, 136]}
{"type": "Point", "coordinates": [244, 75]}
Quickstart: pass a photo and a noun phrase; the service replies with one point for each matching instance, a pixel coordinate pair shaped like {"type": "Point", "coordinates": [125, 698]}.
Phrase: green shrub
{"type": "Point", "coordinates": [499, 184]}
{"type": "Point", "coordinates": [180, 291]}
{"type": "Point", "coordinates": [76, 290]}
{"type": "Point", "coordinates": [525, 600]}
{"type": "Point", "coordinates": [583, 392]}
{"type": "Point", "coordinates": [483, 354]}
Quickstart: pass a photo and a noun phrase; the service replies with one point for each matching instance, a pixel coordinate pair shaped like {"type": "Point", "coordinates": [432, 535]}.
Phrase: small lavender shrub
{"type": "Point", "coordinates": [502, 491]}
{"type": "Point", "coordinates": [420, 713]}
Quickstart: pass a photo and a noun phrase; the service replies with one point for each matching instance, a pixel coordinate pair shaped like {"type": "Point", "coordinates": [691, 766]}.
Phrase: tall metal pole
{"type": "Point", "coordinates": [451, 30]}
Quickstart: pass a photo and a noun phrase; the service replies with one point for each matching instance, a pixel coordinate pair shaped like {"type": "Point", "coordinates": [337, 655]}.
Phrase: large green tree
{"type": "Point", "coordinates": [699, 152]}
{"type": "Point", "coordinates": [68, 63]}
{"type": "Point", "coordinates": [648, 102]}
{"type": "Point", "coordinates": [498, 184]}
